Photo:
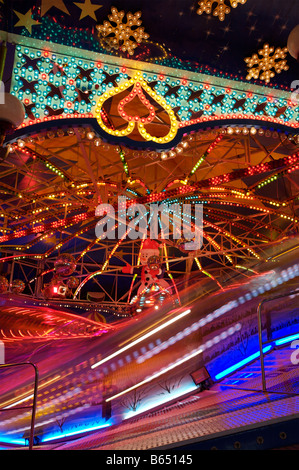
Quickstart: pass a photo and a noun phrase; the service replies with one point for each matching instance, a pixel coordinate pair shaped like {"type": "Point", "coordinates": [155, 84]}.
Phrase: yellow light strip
{"type": "Point", "coordinates": [19, 401]}
{"type": "Point", "coordinates": [22, 398]}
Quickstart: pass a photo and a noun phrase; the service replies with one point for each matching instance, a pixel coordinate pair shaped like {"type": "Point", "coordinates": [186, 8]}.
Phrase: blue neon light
{"type": "Point", "coordinates": [240, 364]}
{"type": "Point", "coordinates": [10, 440]}
{"type": "Point", "coordinates": [52, 437]}
{"type": "Point", "coordinates": [155, 401]}
{"type": "Point", "coordinates": [286, 339]}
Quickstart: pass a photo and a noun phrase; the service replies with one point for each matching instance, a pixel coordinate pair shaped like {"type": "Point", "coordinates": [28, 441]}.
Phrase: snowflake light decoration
{"type": "Point", "coordinates": [271, 61]}
{"type": "Point", "coordinates": [122, 35]}
{"type": "Point", "coordinates": [221, 9]}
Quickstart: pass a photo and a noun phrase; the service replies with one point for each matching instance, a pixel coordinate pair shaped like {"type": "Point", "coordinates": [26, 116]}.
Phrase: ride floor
{"type": "Point", "coordinates": [233, 414]}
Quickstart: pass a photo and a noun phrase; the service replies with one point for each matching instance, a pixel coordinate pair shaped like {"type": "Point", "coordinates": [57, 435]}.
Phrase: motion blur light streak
{"type": "Point", "coordinates": [157, 374]}
{"type": "Point", "coordinates": [19, 401]}
{"type": "Point", "coordinates": [27, 397]}
{"type": "Point", "coordinates": [177, 363]}
{"type": "Point", "coordinates": [173, 346]}
{"type": "Point", "coordinates": [147, 335]}
{"type": "Point", "coordinates": [51, 420]}
{"type": "Point", "coordinates": [186, 332]}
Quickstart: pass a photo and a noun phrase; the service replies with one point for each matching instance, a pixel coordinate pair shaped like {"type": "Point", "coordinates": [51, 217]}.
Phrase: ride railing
{"type": "Point", "coordinates": [262, 343]}
{"type": "Point", "coordinates": [33, 406]}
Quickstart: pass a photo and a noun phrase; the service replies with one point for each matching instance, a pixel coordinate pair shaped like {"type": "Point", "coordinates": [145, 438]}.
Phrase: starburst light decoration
{"type": "Point", "coordinates": [120, 35]}
{"type": "Point", "coordinates": [221, 9]}
{"type": "Point", "coordinates": [271, 61]}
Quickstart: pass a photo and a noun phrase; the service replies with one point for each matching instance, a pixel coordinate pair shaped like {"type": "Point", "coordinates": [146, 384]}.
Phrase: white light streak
{"type": "Point", "coordinates": [138, 340]}
{"type": "Point", "coordinates": [231, 330]}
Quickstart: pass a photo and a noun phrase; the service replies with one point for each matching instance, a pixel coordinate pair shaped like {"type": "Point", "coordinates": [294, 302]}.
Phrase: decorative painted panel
{"type": "Point", "coordinates": [63, 83]}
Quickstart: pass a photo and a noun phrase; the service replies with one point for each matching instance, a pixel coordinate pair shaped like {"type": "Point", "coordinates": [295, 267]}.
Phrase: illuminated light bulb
{"type": "Point", "coordinates": [90, 135]}
{"type": "Point", "coordinates": [21, 143]}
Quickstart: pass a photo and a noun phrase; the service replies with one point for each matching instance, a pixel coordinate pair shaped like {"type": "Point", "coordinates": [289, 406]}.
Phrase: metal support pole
{"type": "Point", "coordinates": [31, 438]}
{"type": "Point", "coordinates": [259, 323]}
{"type": "Point", "coordinates": [11, 275]}
{"type": "Point", "coordinates": [39, 282]}
{"type": "Point", "coordinates": [3, 52]}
